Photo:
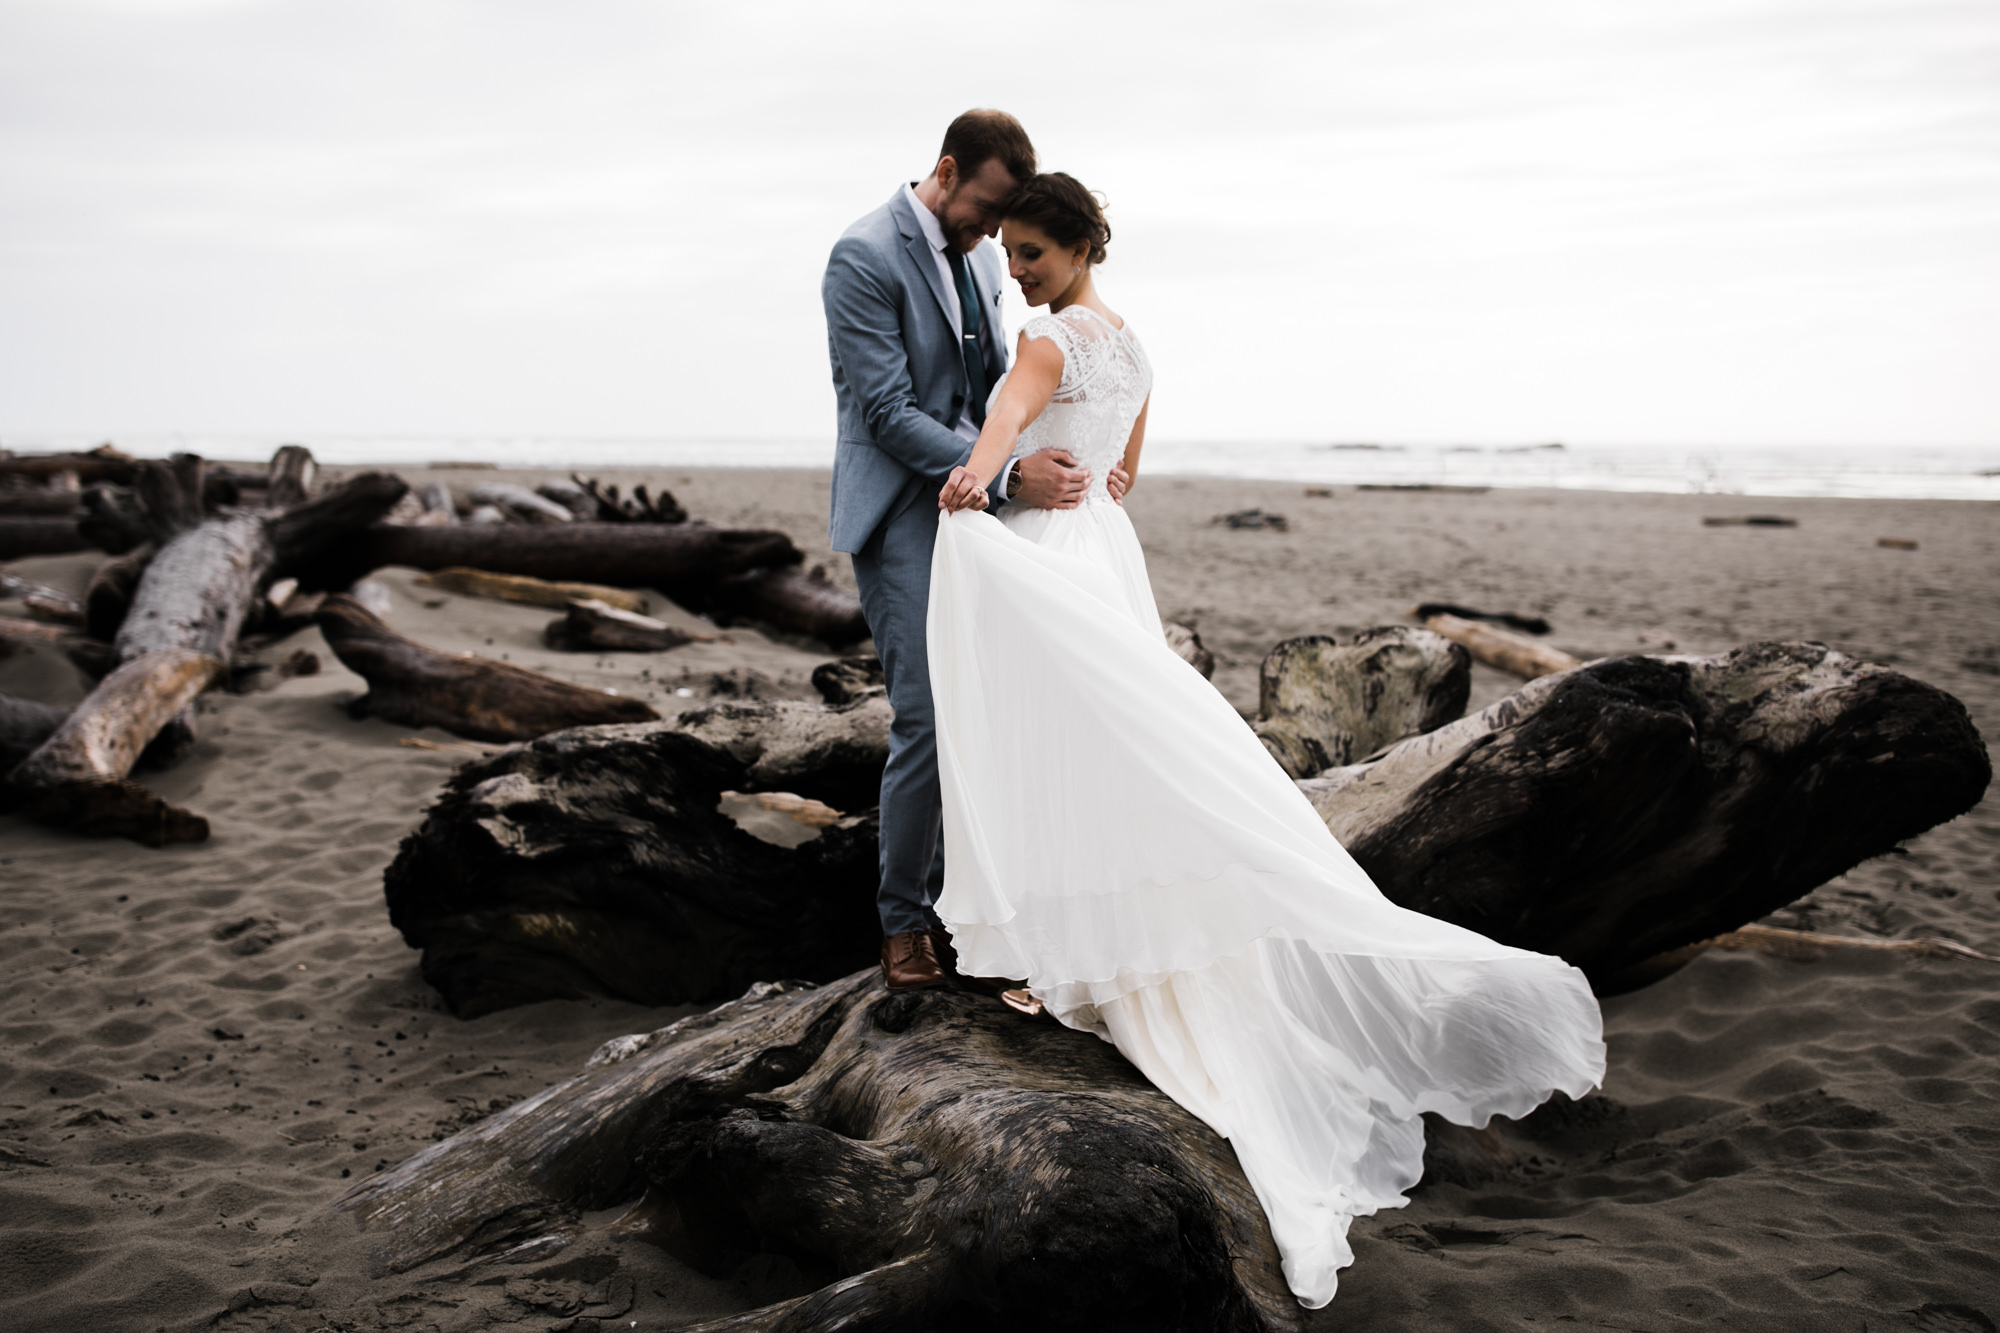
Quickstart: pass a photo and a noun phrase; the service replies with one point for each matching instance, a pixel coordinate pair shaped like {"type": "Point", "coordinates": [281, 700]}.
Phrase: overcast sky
{"type": "Point", "coordinates": [1674, 221]}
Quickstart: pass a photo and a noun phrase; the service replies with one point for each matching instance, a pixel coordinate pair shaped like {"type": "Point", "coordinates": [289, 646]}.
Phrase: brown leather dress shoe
{"type": "Point", "coordinates": [909, 962]}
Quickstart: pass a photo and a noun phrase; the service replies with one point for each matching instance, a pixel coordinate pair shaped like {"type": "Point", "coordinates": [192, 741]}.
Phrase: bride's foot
{"type": "Point", "coordinates": [1021, 1001]}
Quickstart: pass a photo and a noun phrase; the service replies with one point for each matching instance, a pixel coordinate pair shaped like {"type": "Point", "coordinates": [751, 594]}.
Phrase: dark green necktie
{"type": "Point", "coordinates": [968, 318]}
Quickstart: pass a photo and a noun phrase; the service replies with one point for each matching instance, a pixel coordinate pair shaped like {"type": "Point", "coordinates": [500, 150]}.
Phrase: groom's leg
{"type": "Point", "coordinates": [893, 575]}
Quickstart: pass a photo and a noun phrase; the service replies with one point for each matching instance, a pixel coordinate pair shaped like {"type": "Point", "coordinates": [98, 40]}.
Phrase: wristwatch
{"type": "Point", "coordinates": [1013, 480]}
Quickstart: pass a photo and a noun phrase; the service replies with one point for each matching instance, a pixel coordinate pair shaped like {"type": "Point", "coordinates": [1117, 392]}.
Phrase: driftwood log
{"type": "Point", "coordinates": [1641, 804]}
{"type": "Point", "coordinates": [108, 596]}
{"type": "Point", "coordinates": [1321, 703]}
{"type": "Point", "coordinates": [40, 501]}
{"type": "Point", "coordinates": [625, 555]}
{"type": "Point", "coordinates": [727, 573]}
{"type": "Point", "coordinates": [602, 864]}
{"type": "Point", "coordinates": [1620, 811]}
{"type": "Point", "coordinates": [177, 637]}
{"type": "Point", "coordinates": [527, 591]}
{"type": "Point", "coordinates": [1516, 654]}
{"type": "Point", "coordinates": [931, 1159]}
{"type": "Point", "coordinates": [103, 463]}
{"type": "Point", "coordinates": [592, 625]}
{"type": "Point", "coordinates": [466, 695]}
{"type": "Point", "coordinates": [40, 535]}
{"type": "Point", "coordinates": [24, 725]}
{"type": "Point", "coordinates": [1185, 642]}
{"type": "Point", "coordinates": [788, 598]}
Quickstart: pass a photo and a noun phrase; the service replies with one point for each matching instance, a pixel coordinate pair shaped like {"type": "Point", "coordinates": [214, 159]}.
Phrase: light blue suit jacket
{"type": "Point", "coordinates": [898, 374]}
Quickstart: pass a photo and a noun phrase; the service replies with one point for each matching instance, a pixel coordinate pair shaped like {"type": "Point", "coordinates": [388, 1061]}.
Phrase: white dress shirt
{"type": "Point", "coordinates": [934, 233]}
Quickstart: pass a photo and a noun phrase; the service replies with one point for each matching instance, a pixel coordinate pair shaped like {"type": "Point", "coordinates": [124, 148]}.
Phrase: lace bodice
{"type": "Point", "coordinates": [1105, 380]}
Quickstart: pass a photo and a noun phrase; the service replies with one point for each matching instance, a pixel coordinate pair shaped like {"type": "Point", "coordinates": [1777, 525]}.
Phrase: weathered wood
{"type": "Point", "coordinates": [465, 695]}
{"type": "Point", "coordinates": [108, 595]}
{"type": "Point", "coordinates": [100, 740]}
{"type": "Point", "coordinates": [1512, 620]}
{"type": "Point", "coordinates": [19, 629]}
{"type": "Point", "coordinates": [932, 1158]}
{"type": "Point", "coordinates": [788, 599]}
{"type": "Point", "coordinates": [176, 640]}
{"type": "Point", "coordinates": [529, 591]}
{"type": "Point", "coordinates": [597, 861]}
{"type": "Point", "coordinates": [289, 478]}
{"type": "Point", "coordinates": [91, 656]}
{"type": "Point", "coordinates": [21, 537]}
{"type": "Point", "coordinates": [625, 555]}
{"type": "Point", "coordinates": [520, 503]}
{"type": "Point", "coordinates": [1607, 815]}
{"type": "Point", "coordinates": [1321, 703]}
{"type": "Point", "coordinates": [639, 507]}
{"type": "Point", "coordinates": [592, 625]}
{"type": "Point", "coordinates": [1510, 652]}
{"type": "Point", "coordinates": [1636, 805]}
{"type": "Point", "coordinates": [1184, 641]}
{"type": "Point", "coordinates": [848, 679]}
{"type": "Point", "coordinates": [41, 601]}
{"type": "Point", "coordinates": [101, 464]}
{"type": "Point", "coordinates": [114, 520]}
{"type": "Point", "coordinates": [39, 502]}
{"type": "Point", "coordinates": [24, 725]}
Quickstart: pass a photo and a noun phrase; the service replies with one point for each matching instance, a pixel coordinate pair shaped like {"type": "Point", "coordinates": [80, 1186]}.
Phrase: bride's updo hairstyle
{"type": "Point", "coordinates": [1056, 204]}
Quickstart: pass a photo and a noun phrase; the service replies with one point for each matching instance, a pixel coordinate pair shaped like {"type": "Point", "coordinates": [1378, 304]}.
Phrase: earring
{"type": "Point", "coordinates": [1075, 269]}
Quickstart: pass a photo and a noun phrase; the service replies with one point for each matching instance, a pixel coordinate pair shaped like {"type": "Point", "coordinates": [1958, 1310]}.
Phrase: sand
{"type": "Point", "coordinates": [202, 1046]}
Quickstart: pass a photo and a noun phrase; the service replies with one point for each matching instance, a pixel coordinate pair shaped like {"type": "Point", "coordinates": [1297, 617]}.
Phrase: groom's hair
{"type": "Point", "coordinates": [979, 136]}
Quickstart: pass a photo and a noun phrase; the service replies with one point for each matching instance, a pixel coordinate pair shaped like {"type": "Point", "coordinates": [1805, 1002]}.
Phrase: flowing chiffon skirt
{"type": "Point", "coordinates": [1116, 835]}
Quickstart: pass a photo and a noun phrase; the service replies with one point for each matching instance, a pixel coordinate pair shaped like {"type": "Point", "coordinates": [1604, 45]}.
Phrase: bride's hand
{"type": "Point", "coordinates": [962, 491]}
{"type": "Point", "coordinates": [1118, 481]}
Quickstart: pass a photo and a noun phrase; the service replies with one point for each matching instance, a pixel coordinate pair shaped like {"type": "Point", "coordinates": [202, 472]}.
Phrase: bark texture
{"type": "Point", "coordinates": [177, 635]}
{"type": "Point", "coordinates": [932, 1158]}
{"type": "Point", "coordinates": [1321, 703]}
{"type": "Point", "coordinates": [40, 535]}
{"type": "Point", "coordinates": [1608, 815]}
{"type": "Point", "coordinates": [466, 695]}
{"type": "Point", "coordinates": [1640, 804]}
{"type": "Point", "coordinates": [597, 861]}
{"type": "Point", "coordinates": [625, 555]}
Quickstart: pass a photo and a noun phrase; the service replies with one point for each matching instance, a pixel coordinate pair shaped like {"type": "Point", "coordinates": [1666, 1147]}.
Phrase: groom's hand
{"type": "Point", "coordinates": [1050, 479]}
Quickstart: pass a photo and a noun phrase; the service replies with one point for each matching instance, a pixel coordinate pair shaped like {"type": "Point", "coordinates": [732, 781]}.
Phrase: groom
{"type": "Point", "coordinates": [912, 300]}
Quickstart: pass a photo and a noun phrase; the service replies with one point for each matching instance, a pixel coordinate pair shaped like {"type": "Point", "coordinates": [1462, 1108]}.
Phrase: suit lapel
{"type": "Point", "coordinates": [922, 256]}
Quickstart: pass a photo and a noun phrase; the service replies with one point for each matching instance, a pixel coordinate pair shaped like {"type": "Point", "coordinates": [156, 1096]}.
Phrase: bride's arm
{"type": "Point", "coordinates": [1038, 365]}
{"type": "Point", "coordinates": [1127, 471]}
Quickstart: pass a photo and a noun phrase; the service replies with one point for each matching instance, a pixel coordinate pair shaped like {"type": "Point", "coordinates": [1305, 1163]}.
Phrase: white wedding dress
{"type": "Point", "coordinates": [1115, 834]}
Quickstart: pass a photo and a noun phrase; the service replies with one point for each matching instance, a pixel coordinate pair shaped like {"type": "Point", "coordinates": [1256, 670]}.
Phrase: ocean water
{"type": "Point", "coordinates": [1889, 471]}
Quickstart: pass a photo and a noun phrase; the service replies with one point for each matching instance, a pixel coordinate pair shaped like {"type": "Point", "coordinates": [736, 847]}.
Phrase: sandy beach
{"type": "Point", "coordinates": [201, 1046]}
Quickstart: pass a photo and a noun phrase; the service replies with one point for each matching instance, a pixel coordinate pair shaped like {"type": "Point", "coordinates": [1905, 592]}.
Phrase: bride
{"type": "Point", "coordinates": [1189, 905]}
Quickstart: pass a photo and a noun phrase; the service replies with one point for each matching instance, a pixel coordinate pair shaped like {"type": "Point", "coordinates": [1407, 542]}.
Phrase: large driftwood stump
{"type": "Point", "coordinates": [1321, 703]}
{"type": "Point", "coordinates": [1607, 815]}
{"type": "Point", "coordinates": [598, 861]}
{"type": "Point", "coordinates": [469, 696]}
{"type": "Point", "coordinates": [1639, 804]}
{"type": "Point", "coordinates": [933, 1159]}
